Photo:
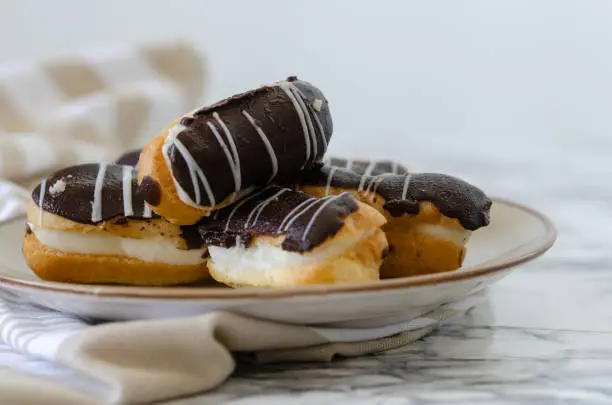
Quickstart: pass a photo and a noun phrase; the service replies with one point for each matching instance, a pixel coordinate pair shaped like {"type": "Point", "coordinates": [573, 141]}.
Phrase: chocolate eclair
{"type": "Point", "coordinates": [129, 158]}
{"type": "Point", "coordinates": [367, 167]}
{"type": "Point", "coordinates": [216, 155]}
{"type": "Point", "coordinates": [89, 224]}
{"type": "Point", "coordinates": [430, 216]}
{"type": "Point", "coordinates": [278, 237]}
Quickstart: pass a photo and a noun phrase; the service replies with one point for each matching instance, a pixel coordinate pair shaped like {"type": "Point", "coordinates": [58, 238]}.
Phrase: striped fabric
{"type": "Point", "coordinates": [92, 106]}
{"type": "Point", "coordinates": [32, 340]}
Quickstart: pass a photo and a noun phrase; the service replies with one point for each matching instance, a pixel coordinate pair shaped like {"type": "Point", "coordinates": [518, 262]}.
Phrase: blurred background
{"type": "Point", "coordinates": [513, 95]}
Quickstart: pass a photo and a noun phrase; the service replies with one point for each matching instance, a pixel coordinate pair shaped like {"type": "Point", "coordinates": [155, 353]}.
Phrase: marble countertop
{"type": "Point", "coordinates": [542, 336]}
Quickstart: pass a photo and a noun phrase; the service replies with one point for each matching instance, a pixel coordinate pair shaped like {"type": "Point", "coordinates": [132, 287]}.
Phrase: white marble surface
{"type": "Point", "coordinates": [544, 334]}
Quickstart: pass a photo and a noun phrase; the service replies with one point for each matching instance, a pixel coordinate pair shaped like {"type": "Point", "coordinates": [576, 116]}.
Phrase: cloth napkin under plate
{"type": "Point", "coordinates": [82, 361]}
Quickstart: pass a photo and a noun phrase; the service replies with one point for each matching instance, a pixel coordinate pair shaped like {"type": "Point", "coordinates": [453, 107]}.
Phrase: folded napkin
{"type": "Point", "coordinates": [83, 361]}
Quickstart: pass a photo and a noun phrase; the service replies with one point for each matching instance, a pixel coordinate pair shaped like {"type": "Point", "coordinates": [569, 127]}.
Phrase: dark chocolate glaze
{"type": "Point", "coordinates": [129, 158]}
{"type": "Point", "coordinates": [385, 252]}
{"type": "Point", "coordinates": [273, 110]}
{"type": "Point", "coordinates": [453, 197]}
{"type": "Point", "coordinates": [191, 236]}
{"type": "Point", "coordinates": [76, 201]}
{"type": "Point", "coordinates": [263, 213]}
{"type": "Point", "coordinates": [150, 191]}
{"type": "Point", "coordinates": [363, 166]}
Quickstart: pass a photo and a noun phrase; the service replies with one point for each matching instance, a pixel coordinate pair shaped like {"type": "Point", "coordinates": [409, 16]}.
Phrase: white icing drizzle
{"type": "Point", "coordinates": [406, 182]}
{"type": "Point", "coordinates": [261, 206]}
{"type": "Point", "coordinates": [294, 210]}
{"type": "Point", "coordinates": [128, 209]}
{"type": "Point", "coordinates": [195, 169]}
{"type": "Point", "coordinates": [376, 182]}
{"type": "Point", "coordinates": [371, 184]}
{"type": "Point", "coordinates": [146, 211]}
{"type": "Point", "coordinates": [234, 150]}
{"type": "Point", "coordinates": [230, 159]}
{"type": "Point", "coordinates": [96, 205]}
{"type": "Point", "coordinates": [330, 176]}
{"type": "Point", "coordinates": [311, 131]}
{"type": "Point", "coordinates": [317, 104]}
{"type": "Point", "coordinates": [173, 132]}
{"type": "Point", "coordinates": [304, 210]}
{"type": "Point", "coordinates": [314, 114]}
{"type": "Point", "coordinates": [317, 213]}
{"type": "Point", "coordinates": [323, 137]}
{"type": "Point", "coordinates": [286, 87]}
{"type": "Point", "coordinates": [238, 205]}
{"type": "Point", "coordinates": [41, 198]}
{"type": "Point", "coordinates": [267, 144]}
{"type": "Point", "coordinates": [365, 175]}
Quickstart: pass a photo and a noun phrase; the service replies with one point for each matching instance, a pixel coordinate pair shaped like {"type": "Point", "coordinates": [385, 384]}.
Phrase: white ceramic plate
{"type": "Point", "coordinates": [516, 234]}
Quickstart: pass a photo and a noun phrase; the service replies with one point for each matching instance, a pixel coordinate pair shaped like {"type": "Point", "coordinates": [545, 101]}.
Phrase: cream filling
{"type": "Point", "coordinates": [241, 262]}
{"type": "Point", "coordinates": [457, 236]}
{"type": "Point", "coordinates": [155, 249]}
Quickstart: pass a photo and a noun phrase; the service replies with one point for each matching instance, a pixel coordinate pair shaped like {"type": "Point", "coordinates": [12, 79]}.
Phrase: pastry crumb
{"type": "Point", "coordinates": [58, 188]}
{"type": "Point", "coordinates": [317, 104]}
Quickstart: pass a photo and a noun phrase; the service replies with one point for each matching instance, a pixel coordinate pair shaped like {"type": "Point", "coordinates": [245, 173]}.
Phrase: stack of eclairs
{"type": "Point", "coordinates": [241, 191]}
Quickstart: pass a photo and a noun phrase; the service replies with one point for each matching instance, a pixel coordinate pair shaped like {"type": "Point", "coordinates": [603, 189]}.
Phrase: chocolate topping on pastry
{"type": "Point", "coordinates": [403, 193]}
{"type": "Point", "coordinates": [150, 191]}
{"type": "Point", "coordinates": [367, 167]}
{"type": "Point", "coordinates": [129, 158]}
{"type": "Point", "coordinates": [90, 193]}
{"type": "Point", "coordinates": [250, 139]}
{"type": "Point", "coordinates": [305, 221]}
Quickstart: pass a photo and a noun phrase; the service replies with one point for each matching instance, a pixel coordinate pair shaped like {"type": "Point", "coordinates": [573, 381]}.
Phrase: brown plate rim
{"type": "Point", "coordinates": [537, 248]}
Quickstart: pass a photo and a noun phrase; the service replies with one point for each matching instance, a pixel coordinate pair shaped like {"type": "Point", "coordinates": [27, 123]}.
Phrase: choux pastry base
{"type": "Point", "coordinates": [53, 265]}
{"type": "Point", "coordinates": [360, 262]}
{"type": "Point", "coordinates": [412, 252]}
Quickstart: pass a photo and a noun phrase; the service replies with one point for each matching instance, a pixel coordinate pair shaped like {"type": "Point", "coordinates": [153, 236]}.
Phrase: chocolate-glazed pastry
{"type": "Point", "coordinates": [129, 158]}
{"type": "Point", "coordinates": [88, 224]}
{"type": "Point", "coordinates": [282, 237]}
{"type": "Point", "coordinates": [429, 216]}
{"type": "Point", "coordinates": [217, 154]}
{"type": "Point", "coordinates": [365, 166]}
{"type": "Point", "coordinates": [90, 193]}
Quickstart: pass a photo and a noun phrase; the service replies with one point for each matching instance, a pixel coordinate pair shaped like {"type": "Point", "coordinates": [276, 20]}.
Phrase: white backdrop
{"type": "Point", "coordinates": [438, 84]}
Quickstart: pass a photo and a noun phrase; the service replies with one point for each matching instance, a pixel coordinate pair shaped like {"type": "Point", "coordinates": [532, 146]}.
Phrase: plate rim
{"type": "Point", "coordinates": [535, 249]}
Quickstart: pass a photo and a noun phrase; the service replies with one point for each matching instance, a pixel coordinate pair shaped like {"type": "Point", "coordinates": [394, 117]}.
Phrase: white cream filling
{"type": "Point", "coordinates": [243, 261]}
{"type": "Point", "coordinates": [457, 236]}
{"type": "Point", "coordinates": [156, 249]}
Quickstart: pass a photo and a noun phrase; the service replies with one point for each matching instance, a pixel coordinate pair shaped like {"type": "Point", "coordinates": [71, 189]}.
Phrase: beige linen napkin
{"type": "Point", "coordinates": [151, 360]}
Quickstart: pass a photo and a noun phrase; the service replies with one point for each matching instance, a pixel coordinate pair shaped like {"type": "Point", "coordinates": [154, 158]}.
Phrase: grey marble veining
{"type": "Point", "coordinates": [459, 364]}
{"type": "Point", "coordinates": [544, 333]}
{"type": "Point", "coordinates": [538, 338]}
